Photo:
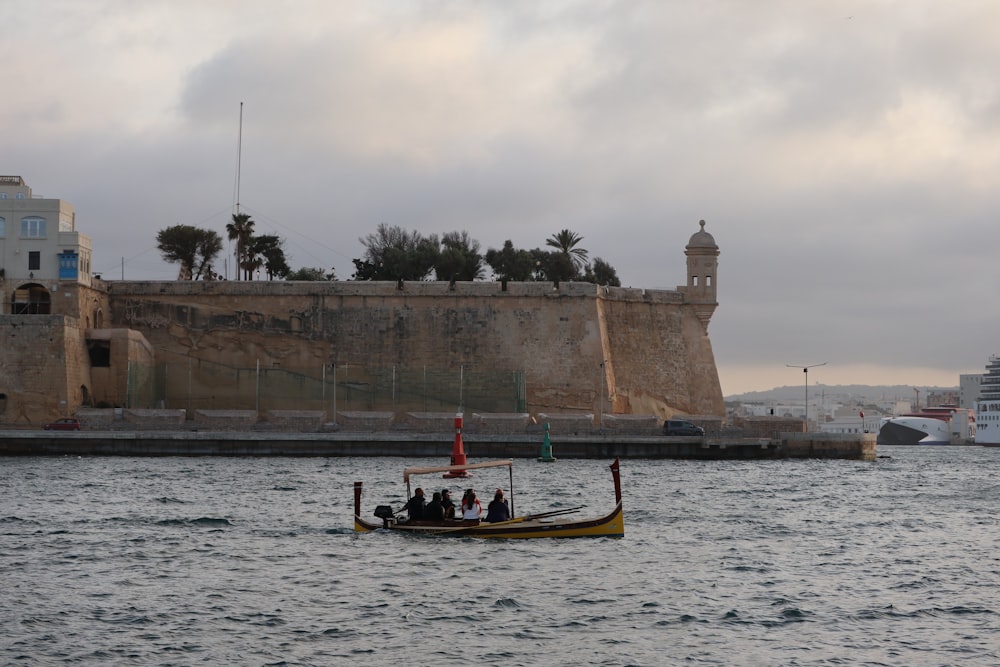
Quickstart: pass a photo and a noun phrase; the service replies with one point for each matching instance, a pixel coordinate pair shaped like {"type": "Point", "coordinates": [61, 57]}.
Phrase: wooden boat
{"type": "Point", "coordinates": [544, 524]}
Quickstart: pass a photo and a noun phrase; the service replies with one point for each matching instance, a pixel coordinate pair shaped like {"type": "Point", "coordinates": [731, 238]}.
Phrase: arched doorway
{"type": "Point", "coordinates": [31, 299]}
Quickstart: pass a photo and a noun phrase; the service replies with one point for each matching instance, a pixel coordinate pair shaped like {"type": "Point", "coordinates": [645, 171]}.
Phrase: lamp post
{"type": "Point", "coordinates": [805, 369]}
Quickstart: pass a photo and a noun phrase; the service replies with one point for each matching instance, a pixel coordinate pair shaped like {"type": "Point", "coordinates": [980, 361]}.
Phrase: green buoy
{"type": "Point", "coordinates": [546, 456]}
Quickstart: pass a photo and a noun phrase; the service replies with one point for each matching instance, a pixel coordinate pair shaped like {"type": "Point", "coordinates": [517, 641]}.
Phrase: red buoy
{"type": "Point", "coordinates": [458, 452]}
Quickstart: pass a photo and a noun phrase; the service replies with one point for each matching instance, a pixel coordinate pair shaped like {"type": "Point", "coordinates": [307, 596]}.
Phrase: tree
{"type": "Point", "coordinates": [553, 266]}
{"type": "Point", "coordinates": [311, 273]}
{"type": "Point", "coordinates": [459, 258]}
{"type": "Point", "coordinates": [192, 247]}
{"type": "Point", "coordinates": [601, 273]}
{"type": "Point", "coordinates": [241, 231]}
{"type": "Point", "coordinates": [510, 263]}
{"type": "Point", "coordinates": [267, 251]}
{"type": "Point", "coordinates": [566, 241]}
{"type": "Point", "coordinates": [392, 253]}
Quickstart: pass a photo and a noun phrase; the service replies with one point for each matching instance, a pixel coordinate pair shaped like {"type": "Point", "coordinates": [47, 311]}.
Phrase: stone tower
{"type": "Point", "coordinates": [702, 269]}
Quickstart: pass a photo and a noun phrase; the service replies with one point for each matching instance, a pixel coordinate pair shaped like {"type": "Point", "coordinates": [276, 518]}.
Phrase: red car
{"type": "Point", "coordinates": [65, 424]}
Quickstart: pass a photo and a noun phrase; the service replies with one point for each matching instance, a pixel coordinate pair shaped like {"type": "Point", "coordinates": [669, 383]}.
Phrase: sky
{"type": "Point", "coordinates": [844, 155]}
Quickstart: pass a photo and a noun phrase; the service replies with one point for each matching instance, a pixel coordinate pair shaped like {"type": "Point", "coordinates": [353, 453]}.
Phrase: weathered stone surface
{"type": "Point", "coordinates": [582, 349]}
{"type": "Point", "coordinates": [646, 351]}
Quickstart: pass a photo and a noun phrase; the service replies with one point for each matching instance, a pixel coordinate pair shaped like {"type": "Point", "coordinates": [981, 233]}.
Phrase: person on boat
{"type": "Point", "coordinates": [447, 504]}
{"type": "Point", "coordinates": [415, 505]}
{"type": "Point", "coordinates": [434, 511]}
{"type": "Point", "coordinates": [498, 509]}
{"type": "Point", "coordinates": [471, 507]}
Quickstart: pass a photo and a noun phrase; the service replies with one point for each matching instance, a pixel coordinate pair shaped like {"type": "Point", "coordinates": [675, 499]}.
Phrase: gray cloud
{"type": "Point", "coordinates": [844, 155]}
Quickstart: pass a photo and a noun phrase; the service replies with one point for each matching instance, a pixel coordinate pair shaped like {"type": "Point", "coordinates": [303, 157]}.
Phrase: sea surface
{"type": "Point", "coordinates": [253, 561]}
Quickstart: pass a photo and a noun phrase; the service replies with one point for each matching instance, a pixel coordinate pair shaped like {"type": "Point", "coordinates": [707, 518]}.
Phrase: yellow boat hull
{"type": "Point", "coordinates": [611, 525]}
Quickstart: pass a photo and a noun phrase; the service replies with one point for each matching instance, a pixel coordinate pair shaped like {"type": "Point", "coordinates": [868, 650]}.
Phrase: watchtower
{"type": "Point", "coordinates": [702, 269]}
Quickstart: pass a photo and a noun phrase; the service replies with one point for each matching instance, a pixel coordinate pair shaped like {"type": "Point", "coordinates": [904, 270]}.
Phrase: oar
{"type": "Point", "coordinates": [543, 515]}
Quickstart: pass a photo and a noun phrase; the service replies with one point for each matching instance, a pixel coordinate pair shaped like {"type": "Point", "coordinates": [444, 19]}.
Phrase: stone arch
{"type": "Point", "coordinates": [99, 319]}
{"type": "Point", "coordinates": [31, 299]}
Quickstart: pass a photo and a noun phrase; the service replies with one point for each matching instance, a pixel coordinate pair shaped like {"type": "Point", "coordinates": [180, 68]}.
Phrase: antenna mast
{"type": "Point", "coordinates": [239, 159]}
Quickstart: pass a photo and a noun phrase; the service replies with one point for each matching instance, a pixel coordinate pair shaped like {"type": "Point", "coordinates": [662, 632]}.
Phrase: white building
{"type": "Point", "coordinates": [968, 390]}
{"type": "Point", "coordinates": [39, 249]}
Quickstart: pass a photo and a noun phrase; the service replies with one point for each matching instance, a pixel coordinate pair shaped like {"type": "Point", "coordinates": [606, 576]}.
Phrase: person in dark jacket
{"type": "Point", "coordinates": [415, 505]}
{"type": "Point", "coordinates": [448, 504]}
{"type": "Point", "coordinates": [434, 510]}
{"type": "Point", "coordinates": [498, 509]}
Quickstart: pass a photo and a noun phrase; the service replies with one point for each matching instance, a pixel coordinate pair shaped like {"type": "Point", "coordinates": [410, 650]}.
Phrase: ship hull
{"type": "Point", "coordinates": [914, 431]}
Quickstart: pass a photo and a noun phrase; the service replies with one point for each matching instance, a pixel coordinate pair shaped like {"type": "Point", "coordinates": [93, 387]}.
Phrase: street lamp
{"type": "Point", "coordinates": [805, 369]}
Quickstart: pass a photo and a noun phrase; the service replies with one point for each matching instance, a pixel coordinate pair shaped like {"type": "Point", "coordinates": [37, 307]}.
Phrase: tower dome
{"type": "Point", "coordinates": [702, 239]}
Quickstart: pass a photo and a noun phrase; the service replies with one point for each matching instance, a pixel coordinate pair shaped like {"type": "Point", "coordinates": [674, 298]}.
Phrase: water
{"type": "Point", "coordinates": [217, 561]}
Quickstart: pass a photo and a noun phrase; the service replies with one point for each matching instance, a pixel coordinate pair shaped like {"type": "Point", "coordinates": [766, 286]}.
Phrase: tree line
{"type": "Point", "coordinates": [391, 253]}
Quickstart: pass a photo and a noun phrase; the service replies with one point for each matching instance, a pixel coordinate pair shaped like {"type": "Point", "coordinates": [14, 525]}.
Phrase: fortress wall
{"type": "Point", "coordinates": [654, 343]}
{"type": "Point", "coordinates": [45, 367]}
{"type": "Point", "coordinates": [660, 359]}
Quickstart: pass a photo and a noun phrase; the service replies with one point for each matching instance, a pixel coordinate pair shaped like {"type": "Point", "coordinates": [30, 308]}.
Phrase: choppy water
{"type": "Point", "coordinates": [181, 561]}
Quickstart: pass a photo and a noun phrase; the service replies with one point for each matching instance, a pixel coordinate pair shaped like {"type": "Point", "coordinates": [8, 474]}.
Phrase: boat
{"type": "Point", "coordinates": [913, 430]}
{"type": "Point", "coordinates": [544, 524]}
{"type": "Point", "coordinates": [988, 405]}
{"type": "Point", "coordinates": [933, 425]}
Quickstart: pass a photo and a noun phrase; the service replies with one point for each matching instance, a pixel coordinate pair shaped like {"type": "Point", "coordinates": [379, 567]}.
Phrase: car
{"type": "Point", "coordinates": [681, 427]}
{"type": "Point", "coordinates": [64, 424]}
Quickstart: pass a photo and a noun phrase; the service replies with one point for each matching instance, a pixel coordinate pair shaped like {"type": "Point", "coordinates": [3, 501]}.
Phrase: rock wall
{"type": "Point", "coordinates": [44, 368]}
{"type": "Point", "coordinates": [582, 347]}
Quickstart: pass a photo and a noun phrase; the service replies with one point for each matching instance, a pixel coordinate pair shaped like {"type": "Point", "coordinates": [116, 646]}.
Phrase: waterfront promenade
{"type": "Point", "coordinates": [597, 445]}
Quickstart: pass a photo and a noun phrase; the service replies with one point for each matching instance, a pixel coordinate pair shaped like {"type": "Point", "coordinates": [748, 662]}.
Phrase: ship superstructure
{"type": "Point", "coordinates": [988, 406]}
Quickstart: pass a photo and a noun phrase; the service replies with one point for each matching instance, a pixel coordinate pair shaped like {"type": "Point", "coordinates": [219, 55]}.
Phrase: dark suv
{"type": "Point", "coordinates": [681, 427]}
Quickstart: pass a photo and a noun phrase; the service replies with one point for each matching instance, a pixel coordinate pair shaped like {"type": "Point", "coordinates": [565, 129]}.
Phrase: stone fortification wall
{"type": "Point", "coordinates": [658, 356]}
{"type": "Point", "coordinates": [44, 368]}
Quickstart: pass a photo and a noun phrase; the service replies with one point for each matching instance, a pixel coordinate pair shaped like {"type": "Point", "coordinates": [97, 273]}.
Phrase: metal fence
{"type": "Point", "coordinates": [207, 385]}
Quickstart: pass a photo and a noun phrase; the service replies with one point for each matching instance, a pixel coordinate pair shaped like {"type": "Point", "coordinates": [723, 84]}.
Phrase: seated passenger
{"type": "Point", "coordinates": [415, 505]}
{"type": "Point", "coordinates": [498, 509]}
{"type": "Point", "coordinates": [434, 510]}
{"type": "Point", "coordinates": [448, 504]}
{"type": "Point", "coordinates": [471, 508]}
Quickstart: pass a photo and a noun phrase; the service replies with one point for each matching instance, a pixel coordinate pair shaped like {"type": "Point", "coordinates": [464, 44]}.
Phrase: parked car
{"type": "Point", "coordinates": [64, 424]}
{"type": "Point", "coordinates": [681, 427]}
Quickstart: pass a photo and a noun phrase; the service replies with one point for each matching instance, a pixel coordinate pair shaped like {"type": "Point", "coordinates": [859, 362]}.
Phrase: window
{"type": "Point", "coordinates": [69, 263]}
{"type": "Point", "coordinates": [33, 227]}
{"type": "Point", "coordinates": [34, 260]}
{"type": "Point", "coordinates": [3, 227]}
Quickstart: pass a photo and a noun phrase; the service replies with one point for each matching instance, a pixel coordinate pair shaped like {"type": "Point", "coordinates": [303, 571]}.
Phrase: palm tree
{"type": "Point", "coordinates": [241, 231]}
{"type": "Point", "coordinates": [566, 241]}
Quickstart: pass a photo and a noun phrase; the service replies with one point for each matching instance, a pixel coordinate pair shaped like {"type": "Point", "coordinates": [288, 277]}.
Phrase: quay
{"type": "Point", "coordinates": [595, 445]}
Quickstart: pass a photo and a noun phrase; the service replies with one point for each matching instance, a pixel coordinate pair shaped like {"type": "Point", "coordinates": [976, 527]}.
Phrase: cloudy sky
{"type": "Point", "coordinates": [845, 155]}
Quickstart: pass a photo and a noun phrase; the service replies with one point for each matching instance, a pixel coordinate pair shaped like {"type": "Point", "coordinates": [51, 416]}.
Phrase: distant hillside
{"type": "Point", "coordinates": [857, 392]}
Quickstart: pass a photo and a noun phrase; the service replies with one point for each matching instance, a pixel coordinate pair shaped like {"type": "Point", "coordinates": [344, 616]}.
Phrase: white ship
{"type": "Point", "coordinates": [988, 406]}
{"type": "Point", "coordinates": [913, 430]}
{"type": "Point", "coordinates": [940, 425]}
